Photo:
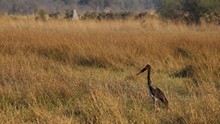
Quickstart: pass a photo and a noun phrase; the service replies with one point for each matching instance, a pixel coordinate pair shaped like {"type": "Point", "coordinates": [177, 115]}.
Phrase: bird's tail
{"type": "Point", "coordinates": [166, 103]}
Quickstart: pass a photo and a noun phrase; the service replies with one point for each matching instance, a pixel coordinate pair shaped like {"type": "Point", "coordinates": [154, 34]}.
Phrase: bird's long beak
{"type": "Point", "coordinates": [144, 69]}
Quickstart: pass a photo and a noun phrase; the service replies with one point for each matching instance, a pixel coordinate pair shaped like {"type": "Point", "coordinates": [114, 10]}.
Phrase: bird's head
{"type": "Point", "coordinates": [147, 67]}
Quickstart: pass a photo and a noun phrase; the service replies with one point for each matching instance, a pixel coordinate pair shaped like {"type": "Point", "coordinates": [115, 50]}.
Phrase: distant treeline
{"type": "Point", "coordinates": [107, 15]}
{"type": "Point", "coordinates": [209, 18]}
{"type": "Point", "coordinates": [190, 11]}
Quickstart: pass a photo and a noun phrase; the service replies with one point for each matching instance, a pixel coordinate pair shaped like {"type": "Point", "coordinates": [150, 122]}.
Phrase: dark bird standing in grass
{"type": "Point", "coordinates": [155, 93]}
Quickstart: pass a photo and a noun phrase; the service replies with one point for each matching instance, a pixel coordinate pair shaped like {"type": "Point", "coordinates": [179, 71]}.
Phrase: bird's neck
{"type": "Point", "coordinates": [148, 78]}
{"type": "Point", "coordinates": [149, 83]}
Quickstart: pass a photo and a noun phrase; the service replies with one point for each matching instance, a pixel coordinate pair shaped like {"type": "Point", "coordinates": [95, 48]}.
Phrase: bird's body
{"type": "Point", "coordinates": [155, 93]}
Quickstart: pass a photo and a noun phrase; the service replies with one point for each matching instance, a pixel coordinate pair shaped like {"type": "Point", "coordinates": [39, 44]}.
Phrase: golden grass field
{"type": "Point", "coordinates": [83, 71]}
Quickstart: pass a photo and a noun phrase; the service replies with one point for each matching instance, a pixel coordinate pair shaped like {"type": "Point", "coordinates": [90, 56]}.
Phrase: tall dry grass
{"type": "Point", "coordinates": [82, 72]}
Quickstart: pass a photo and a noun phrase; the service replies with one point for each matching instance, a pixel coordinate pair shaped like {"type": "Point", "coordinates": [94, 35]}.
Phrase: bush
{"type": "Point", "coordinates": [42, 15]}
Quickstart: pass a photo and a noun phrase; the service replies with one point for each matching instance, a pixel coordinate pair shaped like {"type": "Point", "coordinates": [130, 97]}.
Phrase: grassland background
{"type": "Point", "coordinates": [83, 71]}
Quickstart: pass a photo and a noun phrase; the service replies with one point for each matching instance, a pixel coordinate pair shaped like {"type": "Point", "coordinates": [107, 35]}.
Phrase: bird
{"type": "Point", "coordinates": [155, 93]}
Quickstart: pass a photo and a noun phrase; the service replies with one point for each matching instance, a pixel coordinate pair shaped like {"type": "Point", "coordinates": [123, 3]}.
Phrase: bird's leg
{"type": "Point", "coordinates": [155, 103]}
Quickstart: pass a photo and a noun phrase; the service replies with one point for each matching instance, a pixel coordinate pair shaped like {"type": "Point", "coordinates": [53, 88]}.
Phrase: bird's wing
{"type": "Point", "coordinates": [161, 95]}
{"type": "Point", "coordinates": [158, 91]}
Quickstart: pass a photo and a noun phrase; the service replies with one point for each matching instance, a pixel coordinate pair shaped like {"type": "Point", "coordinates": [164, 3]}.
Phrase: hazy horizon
{"type": "Point", "coordinates": [33, 6]}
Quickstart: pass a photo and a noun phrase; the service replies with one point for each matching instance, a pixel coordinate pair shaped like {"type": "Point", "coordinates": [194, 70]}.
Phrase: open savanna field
{"type": "Point", "coordinates": [84, 71]}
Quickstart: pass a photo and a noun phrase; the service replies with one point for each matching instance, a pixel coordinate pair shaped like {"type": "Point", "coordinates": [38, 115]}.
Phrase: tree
{"type": "Point", "coordinates": [208, 6]}
{"type": "Point", "coordinates": [171, 9]}
{"type": "Point", "coordinates": [190, 10]}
